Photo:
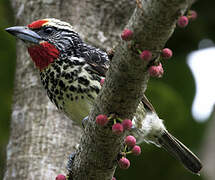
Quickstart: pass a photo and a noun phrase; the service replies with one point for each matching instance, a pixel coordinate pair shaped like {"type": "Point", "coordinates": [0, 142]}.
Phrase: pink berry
{"type": "Point", "coordinates": [146, 55]}
{"type": "Point", "coordinates": [113, 178]}
{"type": "Point", "coordinates": [60, 177]}
{"type": "Point", "coordinates": [156, 71]}
{"type": "Point", "coordinates": [117, 128]}
{"type": "Point", "coordinates": [126, 35]}
{"type": "Point", "coordinates": [102, 119]}
{"type": "Point", "coordinates": [130, 141]}
{"type": "Point", "coordinates": [124, 163]}
{"type": "Point", "coordinates": [127, 124]}
{"type": "Point", "coordinates": [166, 53]}
{"type": "Point", "coordinates": [136, 150]}
{"type": "Point", "coordinates": [183, 21]}
{"type": "Point", "coordinates": [102, 81]}
{"type": "Point", "coordinates": [192, 15]}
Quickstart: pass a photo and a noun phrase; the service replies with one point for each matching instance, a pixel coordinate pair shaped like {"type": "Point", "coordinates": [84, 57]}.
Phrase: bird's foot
{"type": "Point", "coordinates": [70, 161]}
{"type": "Point", "coordinates": [84, 122]}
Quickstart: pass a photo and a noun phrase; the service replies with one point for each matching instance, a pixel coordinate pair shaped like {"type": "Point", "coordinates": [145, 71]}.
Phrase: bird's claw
{"type": "Point", "coordinates": [84, 122]}
{"type": "Point", "coordinates": [70, 161]}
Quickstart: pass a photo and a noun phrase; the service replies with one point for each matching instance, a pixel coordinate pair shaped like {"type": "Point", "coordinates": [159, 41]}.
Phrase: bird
{"type": "Point", "coordinates": [71, 71]}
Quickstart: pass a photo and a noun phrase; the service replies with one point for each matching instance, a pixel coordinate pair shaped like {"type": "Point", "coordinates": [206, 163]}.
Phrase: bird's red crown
{"type": "Point", "coordinates": [37, 24]}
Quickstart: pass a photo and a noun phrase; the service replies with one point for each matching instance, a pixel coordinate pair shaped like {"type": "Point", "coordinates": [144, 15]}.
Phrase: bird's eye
{"type": "Point", "coordinates": [48, 30]}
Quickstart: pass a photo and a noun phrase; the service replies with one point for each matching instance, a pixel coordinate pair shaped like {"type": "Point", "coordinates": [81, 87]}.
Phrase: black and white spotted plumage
{"type": "Point", "coordinates": [73, 80]}
{"type": "Point", "coordinates": [71, 85]}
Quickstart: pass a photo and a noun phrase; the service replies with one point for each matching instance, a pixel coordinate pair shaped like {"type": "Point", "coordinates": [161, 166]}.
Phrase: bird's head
{"type": "Point", "coordinates": [47, 40]}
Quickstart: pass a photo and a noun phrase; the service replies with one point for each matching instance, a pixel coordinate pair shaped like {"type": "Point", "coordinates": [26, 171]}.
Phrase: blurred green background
{"type": "Point", "coordinates": [172, 100]}
{"type": "Point", "coordinates": [7, 67]}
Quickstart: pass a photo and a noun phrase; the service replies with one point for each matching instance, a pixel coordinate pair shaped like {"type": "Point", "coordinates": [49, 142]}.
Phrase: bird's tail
{"type": "Point", "coordinates": [180, 152]}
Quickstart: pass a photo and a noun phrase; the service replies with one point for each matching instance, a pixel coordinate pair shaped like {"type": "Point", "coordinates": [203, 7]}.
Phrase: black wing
{"type": "Point", "coordinates": [96, 58]}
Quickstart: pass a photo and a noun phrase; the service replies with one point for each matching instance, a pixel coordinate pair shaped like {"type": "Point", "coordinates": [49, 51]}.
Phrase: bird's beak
{"type": "Point", "coordinates": [25, 34]}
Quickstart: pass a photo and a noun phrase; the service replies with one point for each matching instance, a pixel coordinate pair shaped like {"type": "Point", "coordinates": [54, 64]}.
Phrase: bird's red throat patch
{"type": "Point", "coordinates": [43, 54]}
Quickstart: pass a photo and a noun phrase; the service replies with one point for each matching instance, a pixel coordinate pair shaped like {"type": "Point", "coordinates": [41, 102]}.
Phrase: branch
{"type": "Point", "coordinates": [152, 22]}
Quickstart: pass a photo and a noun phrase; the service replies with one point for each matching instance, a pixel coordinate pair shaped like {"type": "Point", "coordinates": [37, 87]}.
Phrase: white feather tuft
{"type": "Point", "coordinates": [147, 127]}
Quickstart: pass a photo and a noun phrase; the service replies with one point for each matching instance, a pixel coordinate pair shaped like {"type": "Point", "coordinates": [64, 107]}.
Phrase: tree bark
{"type": "Point", "coordinates": [41, 137]}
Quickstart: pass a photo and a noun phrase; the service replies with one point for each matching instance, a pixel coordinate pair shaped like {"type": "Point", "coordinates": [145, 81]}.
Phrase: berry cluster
{"type": "Point", "coordinates": [130, 148]}
{"type": "Point", "coordinates": [155, 69]}
{"type": "Point", "coordinates": [184, 20]}
{"type": "Point", "coordinates": [118, 126]}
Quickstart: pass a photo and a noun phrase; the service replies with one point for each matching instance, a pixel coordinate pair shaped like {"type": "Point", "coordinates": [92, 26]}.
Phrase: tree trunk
{"type": "Point", "coordinates": [41, 137]}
